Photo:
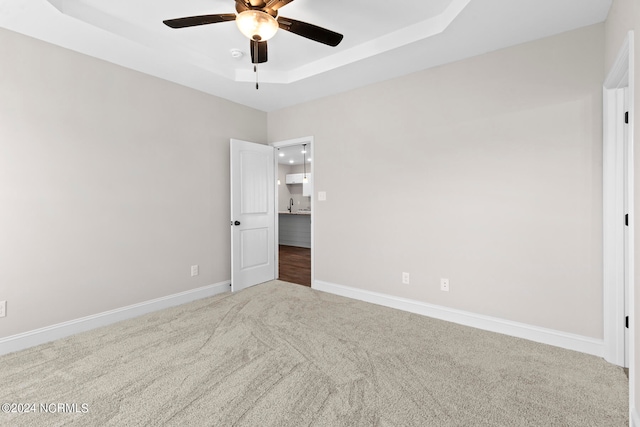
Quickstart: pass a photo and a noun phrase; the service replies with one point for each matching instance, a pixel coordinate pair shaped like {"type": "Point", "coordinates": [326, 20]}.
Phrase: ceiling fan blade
{"type": "Point", "coordinates": [276, 4]}
{"type": "Point", "coordinates": [258, 52]}
{"type": "Point", "coordinates": [310, 31]}
{"type": "Point", "coordinates": [193, 21]}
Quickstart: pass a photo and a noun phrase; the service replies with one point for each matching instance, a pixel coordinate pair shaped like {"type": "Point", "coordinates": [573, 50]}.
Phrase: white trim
{"type": "Point", "coordinates": [618, 75]}
{"type": "Point", "coordinates": [634, 418]}
{"type": "Point", "coordinates": [61, 330]}
{"type": "Point", "coordinates": [521, 330]}
{"type": "Point", "coordinates": [290, 142]}
{"type": "Point", "coordinates": [287, 143]}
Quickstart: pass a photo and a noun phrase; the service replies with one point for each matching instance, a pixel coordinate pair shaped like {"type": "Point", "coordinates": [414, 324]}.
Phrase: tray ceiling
{"type": "Point", "coordinates": [382, 39]}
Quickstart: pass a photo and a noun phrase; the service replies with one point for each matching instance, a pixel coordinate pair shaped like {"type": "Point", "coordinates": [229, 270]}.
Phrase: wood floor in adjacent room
{"type": "Point", "coordinates": [295, 265]}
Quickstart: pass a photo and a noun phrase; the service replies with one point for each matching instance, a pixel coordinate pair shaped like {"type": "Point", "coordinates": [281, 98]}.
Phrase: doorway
{"type": "Point", "coordinates": [294, 219]}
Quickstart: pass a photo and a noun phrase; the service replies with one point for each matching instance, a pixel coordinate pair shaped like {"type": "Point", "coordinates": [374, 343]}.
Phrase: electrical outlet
{"type": "Point", "coordinates": [405, 278]}
{"type": "Point", "coordinates": [444, 285]}
{"type": "Point", "coordinates": [194, 270]}
{"type": "Point", "coordinates": [3, 308]}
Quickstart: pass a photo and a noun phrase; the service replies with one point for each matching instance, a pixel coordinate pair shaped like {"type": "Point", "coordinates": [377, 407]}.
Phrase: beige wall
{"type": "Point", "coordinates": [112, 184]}
{"type": "Point", "coordinates": [486, 171]}
{"type": "Point", "coordinates": [623, 17]}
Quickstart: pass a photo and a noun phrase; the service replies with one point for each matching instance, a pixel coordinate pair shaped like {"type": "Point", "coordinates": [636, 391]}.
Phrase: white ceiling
{"type": "Point", "coordinates": [292, 155]}
{"type": "Point", "coordinates": [382, 39]}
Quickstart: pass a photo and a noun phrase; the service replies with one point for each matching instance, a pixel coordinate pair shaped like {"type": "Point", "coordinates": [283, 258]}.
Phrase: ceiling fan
{"type": "Point", "coordinates": [259, 21]}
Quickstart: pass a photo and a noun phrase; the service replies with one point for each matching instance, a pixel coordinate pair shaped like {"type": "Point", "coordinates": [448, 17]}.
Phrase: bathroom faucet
{"type": "Point", "coordinates": [290, 205]}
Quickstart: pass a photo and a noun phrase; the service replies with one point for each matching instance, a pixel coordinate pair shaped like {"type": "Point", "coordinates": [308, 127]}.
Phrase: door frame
{"type": "Point", "coordinates": [287, 143]}
{"type": "Point", "coordinates": [618, 187]}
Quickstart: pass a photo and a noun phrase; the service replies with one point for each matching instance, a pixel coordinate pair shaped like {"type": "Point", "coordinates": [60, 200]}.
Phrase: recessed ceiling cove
{"type": "Point", "coordinates": [382, 39]}
{"type": "Point", "coordinates": [369, 28]}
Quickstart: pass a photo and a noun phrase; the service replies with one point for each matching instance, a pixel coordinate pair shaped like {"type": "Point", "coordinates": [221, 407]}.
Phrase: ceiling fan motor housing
{"type": "Point", "coordinates": [242, 7]}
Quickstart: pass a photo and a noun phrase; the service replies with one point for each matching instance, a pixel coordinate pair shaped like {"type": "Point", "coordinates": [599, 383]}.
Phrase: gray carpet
{"type": "Point", "coordinates": [285, 355]}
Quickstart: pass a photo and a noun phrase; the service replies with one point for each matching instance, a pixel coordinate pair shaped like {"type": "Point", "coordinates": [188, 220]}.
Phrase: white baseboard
{"type": "Point", "coordinates": [634, 418]}
{"type": "Point", "coordinates": [61, 330]}
{"type": "Point", "coordinates": [521, 330]}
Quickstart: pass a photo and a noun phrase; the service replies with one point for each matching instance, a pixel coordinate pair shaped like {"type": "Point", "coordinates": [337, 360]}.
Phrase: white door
{"type": "Point", "coordinates": [252, 214]}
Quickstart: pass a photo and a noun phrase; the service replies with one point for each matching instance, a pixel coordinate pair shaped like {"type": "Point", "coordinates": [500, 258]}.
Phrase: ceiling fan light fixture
{"type": "Point", "coordinates": [257, 25]}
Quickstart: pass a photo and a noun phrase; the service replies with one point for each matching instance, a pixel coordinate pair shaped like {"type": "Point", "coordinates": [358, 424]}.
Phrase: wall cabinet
{"type": "Point", "coordinates": [306, 188]}
{"type": "Point", "coordinates": [297, 178]}
{"type": "Point", "coordinates": [294, 178]}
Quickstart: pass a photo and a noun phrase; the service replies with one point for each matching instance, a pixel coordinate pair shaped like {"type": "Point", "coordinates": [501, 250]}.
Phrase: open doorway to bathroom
{"type": "Point", "coordinates": [295, 183]}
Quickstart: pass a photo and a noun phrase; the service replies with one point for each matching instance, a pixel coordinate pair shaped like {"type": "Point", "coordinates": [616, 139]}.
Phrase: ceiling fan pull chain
{"type": "Point", "coordinates": [255, 65]}
{"type": "Point", "coordinates": [255, 70]}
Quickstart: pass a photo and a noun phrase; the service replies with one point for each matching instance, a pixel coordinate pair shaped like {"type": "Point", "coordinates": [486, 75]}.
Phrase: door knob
{"type": "Point", "coordinates": [236, 223]}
